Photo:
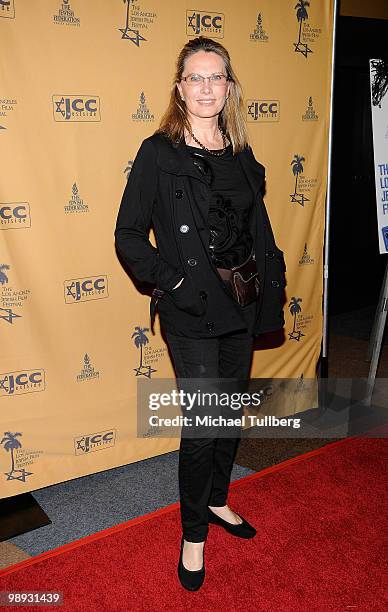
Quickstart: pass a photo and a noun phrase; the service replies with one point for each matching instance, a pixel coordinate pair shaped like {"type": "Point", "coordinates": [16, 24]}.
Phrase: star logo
{"type": "Point", "coordinates": [295, 335]}
{"type": "Point", "coordinates": [300, 198]}
{"type": "Point", "coordinates": [191, 22]}
{"type": "Point", "coordinates": [302, 48]}
{"type": "Point", "coordinates": [10, 316]}
{"type": "Point", "coordinates": [22, 475]}
{"type": "Point", "coordinates": [144, 371]}
{"type": "Point", "coordinates": [133, 35]}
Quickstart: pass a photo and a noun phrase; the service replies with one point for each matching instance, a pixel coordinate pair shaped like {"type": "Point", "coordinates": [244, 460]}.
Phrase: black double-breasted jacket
{"type": "Point", "coordinates": [166, 191]}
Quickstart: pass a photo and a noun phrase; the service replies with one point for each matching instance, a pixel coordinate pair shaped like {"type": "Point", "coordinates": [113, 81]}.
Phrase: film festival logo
{"type": "Point", "coordinates": [7, 8]}
{"type": "Point", "coordinates": [205, 24]}
{"type": "Point", "coordinates": [20, 457]}
{"type": "Point", "coordinates": [66, 16]}
{"type": "Point", "coordinates": [149, 356]}
{"type": "Point", "coordinates": [300, 321]}
{"type": "Point", "coordinates": [136, 19]}
{"type": "Point", "coordinates": [22, 381]}
{"type": "Point", "coordinates": [90, 443]}
{"type": "Point", "coordinates": [143, 113]}
{"type": "Point", "coordinates": [7, 105]}
{"type": "Point", "coordinates": [306, 260]}
{"type": "Point", "coordinates": [10, 298]}
{"type": "Point", "coordinates": [76, 108]}
{"type": "Point", "coordinates": [263, 110]}
{"type": "Point", "coordinates": [76, 204]}
{"type": "Point", "coordinates": [310, 114]}
{"type": "Point", "coordinates": [303, 184]}
{"type": "Point", "coordinates": [85, 289]}
{"type": "Point", "coordinates": [88, 372]}
{"type": "Point", "coordinates": [308, 34]}
{"type": "Point", "coordinates": [259, 34]}
{"type": "Point", "coordinates": [15, 215]}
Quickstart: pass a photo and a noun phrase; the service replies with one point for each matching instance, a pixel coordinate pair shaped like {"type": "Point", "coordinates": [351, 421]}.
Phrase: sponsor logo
{"type": "Point", "coordinates": [9, 297]}
{"type": "Point", "coordinates": [15, 215]}
{"type": "Point", "coordinates": [7, 8]}
{"type": "Point", "coordinates": [94, 442]}
{"type": "Point", "coordinates": [129, 33]}
{"type": "Point", "coordinates": [88, 372]}
{"type": "Point", "coordinates": [76, 204]}
{"type": "Point", "coordinates": [65, 15]}
{"type": "Point", "coordinates": [382, 186]}
{"type": "Point", "coordinates": [85, 289]}
{"type": "Point", "coordinates": [19, 456]}
{"type": "Point", "coordinates": [299, 189]}
{"type": "Point", "coordinates": [22, 381]}
{"type": "Point", "coordinates": [143, 113]}
{"type": "Point", "coordinates": [76, 108]}
{"type": "Point", "coordinates": [128, 169]}
{"type": "Point", "coordinates": [205, 23]}
{"type": "Point", "coordinates": [148, 356]}
{"type": "Point", "coordinates": [306, 260]}
{"type": "Point", "coordinates": [259, 34]}
{"type": "Point", "coordinates": [306, 34]}
{"type": "Point", "coordinates": [301, 322]}
{"type": "Point", "coordinates": [263, 110]}
{"type": "Point", "coordinates": [7, 105]}
{"type": "Point", "coordinates": [310, 114]}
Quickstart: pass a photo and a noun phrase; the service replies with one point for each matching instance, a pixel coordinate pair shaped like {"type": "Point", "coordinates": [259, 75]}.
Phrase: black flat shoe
{"type": "Point", "coordinates": [244, 530]}
{"type": "Point", "coordinates": [192, 580]}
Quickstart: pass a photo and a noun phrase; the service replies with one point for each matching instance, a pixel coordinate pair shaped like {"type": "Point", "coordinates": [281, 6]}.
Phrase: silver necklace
{"type": "Point", "coordinates": [208, 150]}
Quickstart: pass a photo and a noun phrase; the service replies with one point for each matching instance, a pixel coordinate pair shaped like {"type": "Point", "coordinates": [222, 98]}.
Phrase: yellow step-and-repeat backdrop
{"type": "Point", "coordinates": [82, 83]}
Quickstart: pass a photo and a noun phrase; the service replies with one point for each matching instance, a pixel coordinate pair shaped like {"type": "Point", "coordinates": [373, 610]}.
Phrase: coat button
{"type": "Point", "coordinates": [203, 295]}
{"type": "Point", "coordinates": [275, 283]}
{"type": "Point", "coordinates": [184, 229]}
{"type": "Point", "coordinates": [210, 325]}
{"type": "Point", "coordinates": [270, 254]}
{"type": "Point", "coordinates": [179, 194]}
{"type": "Point", "coordinates": [192, 262]}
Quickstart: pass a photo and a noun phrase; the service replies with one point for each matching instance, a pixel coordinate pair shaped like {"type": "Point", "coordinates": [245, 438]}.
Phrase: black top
{"type": "Point", "coordinates": [231, 202]}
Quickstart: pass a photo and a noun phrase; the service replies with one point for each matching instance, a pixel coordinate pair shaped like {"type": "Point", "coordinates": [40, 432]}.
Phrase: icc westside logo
{"type": "Point", "coordinates": [76, 108]}
{"type": "Point", "coordinates": [143, 112]}
{"type": "Point", "coordinates": [205, 23]}
{"type": "Point", "coordinates": [263, 110]}
{"type": "Point", "coordinates": [259, 34]}
{"type": "Point", "coordinates": [7, 8]}
{"type": "Point", "coordinates": [19, 456]}
{"type": "Point", "coordinates": [65, 15]}
{"type": "Point", "coordinates": [94, 442]}
{"type": "Point", "coordinates": [15, 215]}
{"type": "Point", "coordinates": [88, 372]}
{"type": "Point", "coordinates": [22, 381]}
{"type": "Point", "coordinates": [76, 204]}
{"type": "Point", "coordinates": [310, 114]}
{"type": "Point", "coordinates": [85, 289]}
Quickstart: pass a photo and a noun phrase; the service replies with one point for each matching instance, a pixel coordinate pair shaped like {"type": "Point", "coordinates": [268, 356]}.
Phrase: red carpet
{"type": "Point", "coordinates": [320, 519]}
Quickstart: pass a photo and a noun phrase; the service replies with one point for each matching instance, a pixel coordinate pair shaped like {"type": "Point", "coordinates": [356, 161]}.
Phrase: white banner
{"type": "Point", "coordinates": [379, 102]}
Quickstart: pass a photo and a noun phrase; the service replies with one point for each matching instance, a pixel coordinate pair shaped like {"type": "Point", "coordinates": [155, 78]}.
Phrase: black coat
{"type": "Point", "coordinates": [167, 191]}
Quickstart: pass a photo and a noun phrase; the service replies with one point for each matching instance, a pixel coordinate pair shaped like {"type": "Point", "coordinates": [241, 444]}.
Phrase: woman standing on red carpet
{"type": "Point", "coordinates": [196, 181]}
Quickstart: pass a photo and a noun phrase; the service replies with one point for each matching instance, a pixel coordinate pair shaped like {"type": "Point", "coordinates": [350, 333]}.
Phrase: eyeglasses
{"type": "Point", "coordinates": [214, 79]}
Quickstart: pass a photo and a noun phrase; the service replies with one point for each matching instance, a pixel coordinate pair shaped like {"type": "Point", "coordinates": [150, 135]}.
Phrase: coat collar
{"type": "Point", "coordinates": [175, 159]}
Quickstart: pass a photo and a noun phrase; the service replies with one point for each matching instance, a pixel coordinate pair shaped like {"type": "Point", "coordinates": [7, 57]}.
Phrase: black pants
{"type": "Point", "coordinates": [205, 464]}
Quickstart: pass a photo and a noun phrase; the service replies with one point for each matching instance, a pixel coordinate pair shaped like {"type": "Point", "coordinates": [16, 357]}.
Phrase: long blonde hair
{"type": "Point", "coordinates": [231, 119]}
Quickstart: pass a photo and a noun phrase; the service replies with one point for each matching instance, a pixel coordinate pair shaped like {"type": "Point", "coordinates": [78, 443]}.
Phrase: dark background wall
{"type": "Point", "coordinates": [356, 267]}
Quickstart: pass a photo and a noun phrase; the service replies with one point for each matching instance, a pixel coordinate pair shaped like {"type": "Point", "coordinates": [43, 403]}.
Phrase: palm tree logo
{"type": "Point", "coordinates": [295, 309]}
{"type": "Point", "coordinates": [10, 444]}
{"type": "Point", "coordinates": [140, 339]}
{"type": "Point", "coordinates": [379, 70]}
{"type": "Point", "coordinates": [127, 32]}
{"type": "Point", "coordinates": [301, 15]}
{"type": "Point", "coordinates": [297, 168]}
{"type": "Point", "coordinates": [3, 276]}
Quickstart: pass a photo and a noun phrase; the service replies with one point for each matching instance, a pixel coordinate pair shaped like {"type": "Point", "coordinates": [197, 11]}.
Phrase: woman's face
{"type": "Point", "coordinates": [204, 99]}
